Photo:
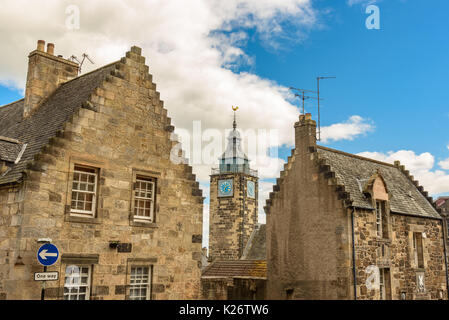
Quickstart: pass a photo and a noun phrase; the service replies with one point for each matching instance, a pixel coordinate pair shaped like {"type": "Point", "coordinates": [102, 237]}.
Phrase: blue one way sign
{"type": "Point", "coordinates": [47, 254]}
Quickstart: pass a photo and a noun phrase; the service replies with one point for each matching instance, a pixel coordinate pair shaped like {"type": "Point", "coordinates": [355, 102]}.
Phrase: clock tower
{"type": "Point", "coordinates": [233, 201]}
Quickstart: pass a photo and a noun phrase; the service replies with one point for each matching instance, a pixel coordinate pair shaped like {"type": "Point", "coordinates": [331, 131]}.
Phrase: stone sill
{"type": "Point", "coordinates": [70, 218]}
{"type": "Point", "coordinates": [141, 223]}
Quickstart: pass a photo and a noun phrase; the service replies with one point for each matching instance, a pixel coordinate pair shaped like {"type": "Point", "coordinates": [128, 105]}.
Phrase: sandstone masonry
{"type": "Point", "coordinates": [111, 126]}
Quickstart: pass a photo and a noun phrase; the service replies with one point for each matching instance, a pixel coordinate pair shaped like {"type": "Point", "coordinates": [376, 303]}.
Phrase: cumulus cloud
{"type": "Point", "coordinates": [348, 130]}
{"type": "Point", "coordinates": [193, 52]}
{"type": "Point", "coordinates": [421, 166]}
{"type": "Point", "coordinates": [205, 242]}
{"type": "Point", "coordinates": [265, 188]}
{"type": "Point", "coordinates": [444, 164]}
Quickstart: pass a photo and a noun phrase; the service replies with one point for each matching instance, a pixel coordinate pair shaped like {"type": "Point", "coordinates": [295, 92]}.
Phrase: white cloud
{"type": "Point", "coordinates": [421, 167]}
{"type": "Point", "coordinates": [349, 130]}
{"type": "Point", "coordinates": [264, 191]}
{"type": "Point", "coordinates": [444, 164]}
{"type": "Point", "coordinates": [205, 242]}
{"type": "Point", "coordinates": [187, 51]}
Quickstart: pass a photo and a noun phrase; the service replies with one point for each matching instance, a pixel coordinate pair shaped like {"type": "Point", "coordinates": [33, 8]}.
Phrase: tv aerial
{"type": "Point", "coordinates": [301, 93]}
{"type": "Point", "coordinates": [75, 59]}
{"type": "Point", "coordinates": [318, 93]}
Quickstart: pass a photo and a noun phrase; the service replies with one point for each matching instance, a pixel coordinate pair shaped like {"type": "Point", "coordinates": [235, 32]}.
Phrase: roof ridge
{"type": "Point", "coordinates": [90, 72]}
{"type": "Point", "coordinates": [282, 175]}
{"type": "Point", "coordinates": [8, 139]}
{"type": "Point", "coordinates": [8, 104]}
{"type": "Point", "coordinates": [356, 156]}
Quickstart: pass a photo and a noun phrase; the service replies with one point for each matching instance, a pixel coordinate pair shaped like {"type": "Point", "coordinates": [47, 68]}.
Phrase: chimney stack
{"type": "Point", "coordinates": [45, 73]}
{"type": "Point", "coordinates": [305, 133]}
{"type": "Point", "coordinates": [41, 45]}
{"type": "Point", "coordinates": [51, 49]}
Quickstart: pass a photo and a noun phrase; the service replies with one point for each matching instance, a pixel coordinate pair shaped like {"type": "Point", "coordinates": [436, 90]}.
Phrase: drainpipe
{"type": "Point", "coordinates": [353, 254]}
{"type": "Point", "coordinates": [445, 254]}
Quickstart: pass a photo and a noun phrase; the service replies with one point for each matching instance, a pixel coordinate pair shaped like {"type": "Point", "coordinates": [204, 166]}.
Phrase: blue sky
{"type": "Point", "coordinates": [390, 100]}
{"type": "Point", "coordinates": [396, 76]}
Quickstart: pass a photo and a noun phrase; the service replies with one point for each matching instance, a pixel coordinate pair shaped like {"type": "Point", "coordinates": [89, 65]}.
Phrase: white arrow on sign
{"type": "Point", "coordinates": [44, 254]}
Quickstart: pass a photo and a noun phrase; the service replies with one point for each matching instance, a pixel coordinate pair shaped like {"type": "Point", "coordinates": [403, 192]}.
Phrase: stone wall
{"type": "Point", "coordinates": [232, 219]}
{"type": "Point", "coordinates": [399, 256]}
{"type": "Point", "coordinates": [308, 242]}
{"type": "Point", "coordinates": [309, 237]}
{"type": "Point", "coordinates": [129, 133]}
{"type": "Point", "coordinates": [11, 208]}
{"type": "Point", "coordinates": [234, 289]}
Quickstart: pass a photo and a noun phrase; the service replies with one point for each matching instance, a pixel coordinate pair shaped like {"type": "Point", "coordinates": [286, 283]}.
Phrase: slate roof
{"type": "Point", "coordinates": [256, 248]}
{"type": "Point", "coordinates": [354, 171]}
{"type": "Point", "coordinates": [48, 118]}
{"type": "Point", "coordinates": [236, 269]}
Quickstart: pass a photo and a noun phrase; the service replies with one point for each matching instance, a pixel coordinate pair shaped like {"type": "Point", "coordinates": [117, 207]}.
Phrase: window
{"type": "Point", "coordinates": [289, 293]}
{"type": "Point", "coordinates": [384, 284]}
{"type": "Point", "coordinates": [381, 220]}
{"type": "Point", "coordinates": [418, 249]}
{"type": "Point", "coordinates": [77, 282]}
{"type": "Point", "coordinates": [144, 198]}
{"type": "Point", "coordinates": [140, 283]}
{"type": "Point", "coordinates": [84, 191]}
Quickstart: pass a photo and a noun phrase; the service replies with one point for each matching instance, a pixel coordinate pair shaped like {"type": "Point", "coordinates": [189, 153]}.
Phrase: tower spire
{"type": "Point", "coordinates": [234, 124]}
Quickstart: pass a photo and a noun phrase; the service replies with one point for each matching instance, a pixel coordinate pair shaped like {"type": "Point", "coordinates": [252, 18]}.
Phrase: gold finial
{"type": "Point", "coordinates": [235, 108]}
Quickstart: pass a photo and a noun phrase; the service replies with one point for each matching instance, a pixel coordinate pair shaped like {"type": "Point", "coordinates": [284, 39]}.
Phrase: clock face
{"type": "Point", "coordinates": [225, 188]}
{"type": "Point", "coordinates": [251, 189]}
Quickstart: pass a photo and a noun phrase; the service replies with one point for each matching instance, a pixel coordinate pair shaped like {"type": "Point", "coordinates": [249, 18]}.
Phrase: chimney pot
{"type": "Point", "coordinates": [308, 116]}
{"type": "Point", "coordinates": [50, 48]}
{"type": "Point", "coordinates": [41, 45]}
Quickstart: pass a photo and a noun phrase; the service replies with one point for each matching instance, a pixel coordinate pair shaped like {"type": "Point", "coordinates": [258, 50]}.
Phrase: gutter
{"type": "Point", "coordinates": [353, 254]}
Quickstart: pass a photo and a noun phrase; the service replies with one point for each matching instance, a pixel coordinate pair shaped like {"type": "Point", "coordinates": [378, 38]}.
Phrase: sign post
{"type": "Point", "coordinates": [47, 255]}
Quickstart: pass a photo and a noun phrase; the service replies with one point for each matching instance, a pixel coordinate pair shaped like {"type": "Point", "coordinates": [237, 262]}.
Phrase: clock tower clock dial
{"type": "Point", "coordinates": [225, 188]}
{"type": "Point", "coordinates": [251, 189]}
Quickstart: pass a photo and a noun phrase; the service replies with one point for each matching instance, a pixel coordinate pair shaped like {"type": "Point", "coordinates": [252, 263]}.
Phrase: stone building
{"type": "Point", "coordinates": [85, 162]}
{"type": "Point", "coordinates": [341, 226]}
{"type": "Point", "coordinates": [442, 205]}
{"type": "Point", "coordinates": [237, 268]}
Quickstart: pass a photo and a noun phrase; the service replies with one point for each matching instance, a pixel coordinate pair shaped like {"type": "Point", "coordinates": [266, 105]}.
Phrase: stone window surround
{"type": "Point", "coordinates": [147, 284]}
{"type": "Point", "coordinates": [385, 289]}
{"type": "Point", "coordinates": [69, 216]}
{"type": "Point", "coordinates": [414, 228]}
{"type": "Point", "coordinates": [140, 262]}
{"type": "Point", "coordinates": [140, 222]}
{"type": "Point", "coordinates": [91, 173]}
{"type": "Point", "coordinates": [97, 219]}
{"type": "Point", "coordinates": [88, 284]}
{"type": "Point", "coordinates": [387, 216]}
{"type": "Point", "coordinates": [76, 259]}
